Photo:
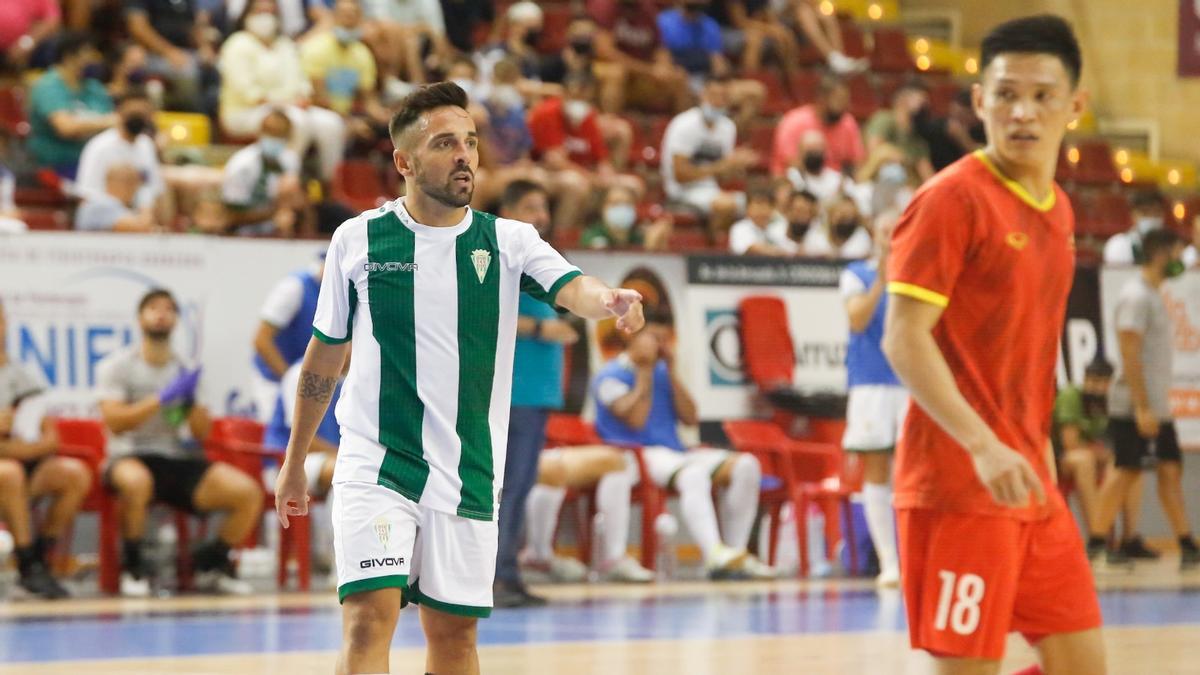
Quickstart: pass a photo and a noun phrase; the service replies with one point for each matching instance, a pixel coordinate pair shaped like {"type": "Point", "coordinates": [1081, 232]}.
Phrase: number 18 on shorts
{"type": "Point", "coordinates": [969, 580]}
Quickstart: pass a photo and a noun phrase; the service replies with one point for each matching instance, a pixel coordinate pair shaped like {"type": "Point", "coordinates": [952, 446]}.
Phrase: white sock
{"type": "Point", "coordinates": [695, 502]}
{"type": "Point", "coordinates": [541, 518]}
{"type": "Point", "coordinates": [739, 501]}
{"type": "Point", "coordinates": [877, 503]}
{"type": "Point", "coordinates": [612, 500]}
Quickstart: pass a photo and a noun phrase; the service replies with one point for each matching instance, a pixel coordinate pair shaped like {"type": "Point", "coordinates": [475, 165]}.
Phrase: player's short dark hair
{"type": "Point", "coordinates": [71, 42]}
{"type": "Point", "coordinates": [802, 194]}
{"type": "Point", "coordinates": [517, 190]}
{"type": "Point", "coordinates": [1099, 368]}
{"type": "Point", "coordinates": [154, 294]}
{"type": "Point", "coordinates": [1038, 34]}
{"type": "Point", "coordinates": [760, 193]}
{"type": "Point", "coordinates": [1146, 199]}
{"type": "Point", "coordinates": [829, 82]}
{"type": "Point", "coordinates": [425, 98]}
{"type": "Point", "coordinates": [1157, 241]}
{"type": "Point", "coordinates": [134, 93]}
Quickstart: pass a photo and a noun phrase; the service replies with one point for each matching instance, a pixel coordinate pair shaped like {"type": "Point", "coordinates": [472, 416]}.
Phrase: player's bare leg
{"type": "Point", "coordinates": [14, 502]}
{"type": "Point", "coordinates": [368, 621]}
{"type": "Point", "coordinates": [950, 666]}
{"type": "Point", "coordinates": [1079, 652]}
{"type": "Point", "coordinates": [451, 639]}
{"type": "Point", "coordinates": [69, 480]}
{"type": "Point", "coordinates": [1114, 493]}
{"type": "Point", "coordinates": [227, 489]}
{"type": "Point", "coordinates": [1081, 466]}
{"type": "Point", "coordinates": [135, 489]}
{"type": "Point", "coordinates": [1170, 493]}
{"type": "Point", "coordinates": [585, 466]}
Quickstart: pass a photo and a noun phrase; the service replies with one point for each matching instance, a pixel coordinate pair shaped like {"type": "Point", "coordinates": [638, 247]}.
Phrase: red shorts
{"type": "Point", "coordinates": [970, 580]}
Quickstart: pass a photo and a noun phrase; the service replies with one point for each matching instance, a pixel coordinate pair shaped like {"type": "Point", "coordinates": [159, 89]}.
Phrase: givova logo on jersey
{"type": "Point", "coordinates": [390, 267]}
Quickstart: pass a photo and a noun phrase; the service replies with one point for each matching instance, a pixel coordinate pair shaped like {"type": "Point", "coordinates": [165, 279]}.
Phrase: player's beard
{"type": "Point", "coordinates": [448, 192]}
{"type": "Point", "coordinates": [157, 335]}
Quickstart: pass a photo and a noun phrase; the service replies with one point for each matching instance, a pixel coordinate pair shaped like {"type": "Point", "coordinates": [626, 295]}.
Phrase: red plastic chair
{"type": "Point", "coordinates": [1095, 165]}
{"type": "Point", "coordinates": [767, 350]}
{"type": "Point", "coordinates": [358, 184]}
{"type": "Point", "coordinates": [86, 439]}
{"type": "Point", "coordinates": [237, 441]}
{"type": "Point", "coordinates": [778, 99]}
{"type": "Point", "coordinates": [13, 120]}
{"type": "Point", "coordinates": [864, 100]}
{"type": "Point", "coordinates": [889, 53]}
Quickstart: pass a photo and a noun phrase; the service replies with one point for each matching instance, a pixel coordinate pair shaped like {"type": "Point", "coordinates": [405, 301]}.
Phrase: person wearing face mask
{"type": "Point", "coordinates": [842, 235]}
{"type": "Point", "coordinates": [261, 186]}
{"type": "Point", "coordinates": [810, 172]}
{"type": "Point", "coordinates": [1125, 248]}
{"type": "Point", "coordinates": [131, 142]}
{"type": "Point", "coordinates": [1078, 435]}
{"type": "Point", "coordinates": [261, 71]}
{"type": "Point", "coordinates": [567, 137]}
{"type": "Point", "coordinates": [828, 115]}
{"type": "Point", "coordinates": [1139, 405]}
{"type": "Point", "coordinates": [619, 226]}
{"type": "Point", "coordinates": [801, 208]}
{"type": "Point", "coordinates": [67, 106]}
{"type": "Point", "coordinates": [891, 133]}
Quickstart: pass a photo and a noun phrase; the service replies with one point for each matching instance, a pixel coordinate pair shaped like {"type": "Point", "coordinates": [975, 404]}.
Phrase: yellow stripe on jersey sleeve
{"type": "Point", "coordinates": [914, 291]}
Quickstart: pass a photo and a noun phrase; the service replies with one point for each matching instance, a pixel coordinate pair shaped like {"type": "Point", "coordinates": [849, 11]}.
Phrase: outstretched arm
{"type": "Point", "coordinates": [591, 298]}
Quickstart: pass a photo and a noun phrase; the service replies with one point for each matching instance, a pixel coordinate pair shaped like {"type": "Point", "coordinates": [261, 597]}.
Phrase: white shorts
{"type": "Point", "coordinates": [702, 196]}
{"type": "Point", "coordinates": [382, 539]}
{"type": "Point", "coordinates": [266, 396]}
{"type": "Point", "coordinates": [874, 417]}
{"type": "Point", "coordinates": [663, 463]}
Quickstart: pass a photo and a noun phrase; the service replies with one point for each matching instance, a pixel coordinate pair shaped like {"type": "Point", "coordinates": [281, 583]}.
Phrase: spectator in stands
{"type": "Point", "coordinates": [829, 115]}
{"type": "Point", "coordinates": [640, 400]}
{"type": "Point", "coordinates": [952, 136]}
{"type": "Point", "coordinates": [877, 402]}
{"type": "Point", "coordinates": [694, 41]}
{"type": "Point", "coordinates": [284, 329]}
{"type": "Point", "coordinates": [322, 454]}
{"type": "Point", "coordinates": [180, 40]}
{"type": "Point", "coordinates": [343, 74]}
{"type": "Point", "coordinates": [895, 129]}
{"type": "Point", "coordinates": [116, 209]}
{"type": "Point", "coordinates": [619, 226]}
{"type": "Point", "coordinates": [130, 143]}
{"type": "Point", "coordinates": [524, 31]}
{"type": "Point", "coordinates": [67, 106]}
{"type": "Point", "coordinates": [749, 28]}
{"type": "Point", "coordinates": [30, 470]}
{"type": "Point", "coordinates": [567, 137]}
{"type": "Point", "coordinates": [536, 391]}
{"type": "Point", "coordinates": [261, 71]}
{"type": "Point", "coordinates": [613, 474]}
{"type": "Point", "coordinates": [1078, 437]}
{"type": "Point", "coordinates": [810, 172]}
{"type": "Point", "coordinates": [1139, 405]}
{"type": "Point", "coordinates": [802, 210]}
{"type": "Point", "coordinates": [841, 235]}
{"type": "Point", "coordinates": [146, 394]}
{"type": "Point", "coordinates": [698, 149]}
{"type": "Point", "coordinates": [1191, 254]}
{"type": "Point", "coordinates": [403, 32]}
{"type": "Point", "coordinates": [295, 16]}
{"type": "Point", "coordinates": [466, 16]}
{"type": "Point", "coordinates": [1125, 248]}
{"type": "Point", "coordinates": [824, 33]}
{"type": "Point", "coordinates": [261, 188]}
{"type": "Point", "coordinates": [628, 49]}
{"type": "Point", "coordinates": [764, 231]}
{"type": "Point", "coordinates": [26, 27]}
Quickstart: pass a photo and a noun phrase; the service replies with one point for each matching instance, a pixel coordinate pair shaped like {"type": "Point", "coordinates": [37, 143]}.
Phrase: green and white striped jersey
{"type": "Point", "coordinates": [432, 312]}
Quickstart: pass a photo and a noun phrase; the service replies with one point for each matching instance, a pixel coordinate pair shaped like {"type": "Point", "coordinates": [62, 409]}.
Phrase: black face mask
{"type": "Point", "coordinates": [533, 37]}
{"type": "Point", "coordinates": [1095, 404]}
{"type": "Point", "coordinates": [136, 124]}
{"type": "Point", "coordinates": [798, 230]}
{"type": "Point", "coordinates": [814, 161]}
{"type": "Point", "coordinates": [844, 229]}
{"type": "Point", "coordinates": [832, 117]}
{"type": "Point", "coordinates": [582, 47]}
{"type": "Point", "coordinates": [94, 71]}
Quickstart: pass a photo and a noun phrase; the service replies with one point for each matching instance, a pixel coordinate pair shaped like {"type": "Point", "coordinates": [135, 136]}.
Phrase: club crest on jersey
{"type": "Point", "coordinates": [1017, 240]}
{"type": "Point", "coordinates": [481, 259]}
{"type": "Point", "coordinates": [383, 531]}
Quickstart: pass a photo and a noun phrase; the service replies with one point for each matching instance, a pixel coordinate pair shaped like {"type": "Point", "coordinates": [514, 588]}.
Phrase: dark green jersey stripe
{"type": "Point", "coordinates": [390, 291]}
{"type": "Point", "coordinates": [478, 260]}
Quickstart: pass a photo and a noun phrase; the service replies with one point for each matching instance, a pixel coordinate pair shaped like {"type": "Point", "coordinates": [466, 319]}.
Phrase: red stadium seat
{"type": "Point", "coordinates": [1093, 166]}
{"type": "Point", "coordinates": [864, 101]}
{"type": "Point", "coordinates": [652, 142]}
{"type": "Point", "coordinates": [805, 85]}
{"type": "Point", "coordinates": [13, 121]}
{"type": "Point", "coordinates": [941, 94]}
{"type": "Point", "coordinates": [358, 184]}
{"type": "Point", "coordinates": [688, 240]}
{"type": "Point", "coordinates": [1101, 214]}
{"type": "Point", "coordinates": [45, 219]}
{"type": "Point", "coordinates": [889, 53]}
{"type": "Point", "coordinates": [854, 44]}
{"type": "Point", "coordinates": [555, 20]}
{"type": "Point", "coordinates": [766, 342]}
{"type": "Point", "coordinates": [778, 99]}
{"type": "Point", "coordinates": [761, 139]}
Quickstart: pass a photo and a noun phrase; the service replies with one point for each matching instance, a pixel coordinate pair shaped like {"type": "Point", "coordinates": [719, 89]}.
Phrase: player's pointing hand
{"type": "Point", "coordinates": [626, 305]}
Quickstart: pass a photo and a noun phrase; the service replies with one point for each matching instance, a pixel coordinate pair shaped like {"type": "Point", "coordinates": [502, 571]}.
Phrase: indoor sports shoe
{"type": "Point", "coordinates": [1189, 555]}
{"type": "Point", "coordinates": [510, 596]}
{"type": "Point", "coordinates": [758, 569]}
{"type": "Point", "coordinates": [888, 579]}
{"type": "Point", "coordinates": [1136, 549]}
{"type": "Point", "coordinates": [134, 587]}
{"type": "Point", "coordinates": [37, 580]}
{"type": "Point", "coordinates": [627, 570]}
{"type": "Point", "coordinates": [725, 564]}
{"type": "Point", "coordinates": [222, 581]}
{"type": "Point", "coordinates": [559, 568]}
{"type": "Point", "coordinates": [841, 64]}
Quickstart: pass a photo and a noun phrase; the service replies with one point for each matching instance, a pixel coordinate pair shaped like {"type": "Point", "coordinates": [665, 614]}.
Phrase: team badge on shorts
{"type": "Point", "coordinates": [383, 530]}
{"type": "Point", "coordinates": [482, 260]}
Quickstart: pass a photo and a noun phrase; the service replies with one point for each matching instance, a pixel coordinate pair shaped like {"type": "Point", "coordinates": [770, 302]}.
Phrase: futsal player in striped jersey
{"type": "Point", "coordinates": [424, 292]}
{"type": "Point", "coordinates": [981, 265]}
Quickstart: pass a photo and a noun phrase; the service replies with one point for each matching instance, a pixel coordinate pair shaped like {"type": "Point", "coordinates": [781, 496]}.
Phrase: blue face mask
{"type": "Point", "coordinates": [892, 174]}
{"type": "Point", "coordinates": [272, 147]}
{"type": "Point", "coordinates": [620, 217]}
{"type": "Point", "coordinates": [346, 35]}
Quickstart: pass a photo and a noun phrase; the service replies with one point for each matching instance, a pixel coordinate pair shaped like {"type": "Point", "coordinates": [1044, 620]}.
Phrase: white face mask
{"type": "Point", "coordinates": [1147, 223]}
{"type": "Point", "coordinates": [620, 217]}
{"type": "Point", "coordinates": [577, 111]}
{"type": "Point", "coordinates": [711, 113]}
{"type": "Point", "coordinates": [262, 25]}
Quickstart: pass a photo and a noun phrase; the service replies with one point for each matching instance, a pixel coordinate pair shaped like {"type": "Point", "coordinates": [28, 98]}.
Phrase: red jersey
{"type": "Point", "coordinates": [549, 127]}
{"type": "Point", "coordinates": [1001, 264]}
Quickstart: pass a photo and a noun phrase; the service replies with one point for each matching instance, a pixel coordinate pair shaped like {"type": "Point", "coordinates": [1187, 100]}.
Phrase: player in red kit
{"type": "Point", "coordinates": [981, 265]}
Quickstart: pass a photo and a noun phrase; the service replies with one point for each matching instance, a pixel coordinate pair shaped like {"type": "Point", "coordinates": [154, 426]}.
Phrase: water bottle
{"type": "Point", "coordinates": [666, 527]}
{"type": "Point", "coordinates": [163, 558]}
{"type": "Point", "coordinates": [819, 566]}
{"type": "Point", "coordinates": [597, 561]}
{"type": "Point", "coordinates": [7, 545]}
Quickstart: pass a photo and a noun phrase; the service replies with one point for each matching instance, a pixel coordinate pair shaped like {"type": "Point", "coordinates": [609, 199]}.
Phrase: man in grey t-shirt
{"type": "Point", "coordinates": [146, 394]}
{"type": "Point", "coordinates": [29, 470]}
{"type": "Point", "coordinates": [1139, 407]}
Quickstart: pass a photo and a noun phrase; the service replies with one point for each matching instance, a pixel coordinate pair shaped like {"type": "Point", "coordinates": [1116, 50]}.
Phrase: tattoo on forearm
{"type": "Point", "coordinates": [316, 387]}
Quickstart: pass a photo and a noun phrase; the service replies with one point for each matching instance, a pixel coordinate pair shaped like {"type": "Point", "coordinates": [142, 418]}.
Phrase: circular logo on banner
{"type": "Point", "coordinates": [724, 347]}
